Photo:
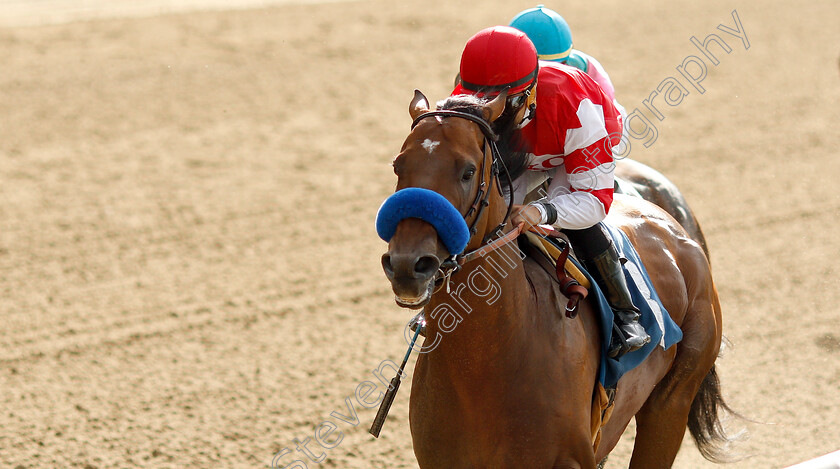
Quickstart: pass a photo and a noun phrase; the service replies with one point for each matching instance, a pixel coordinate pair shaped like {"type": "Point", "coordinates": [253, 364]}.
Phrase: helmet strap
{"type": "Point", "coordinates": [531, 104]}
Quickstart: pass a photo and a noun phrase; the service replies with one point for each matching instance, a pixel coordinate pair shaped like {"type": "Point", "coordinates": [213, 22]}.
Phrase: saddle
{"type": "Point", "coordinates": [574, 285]}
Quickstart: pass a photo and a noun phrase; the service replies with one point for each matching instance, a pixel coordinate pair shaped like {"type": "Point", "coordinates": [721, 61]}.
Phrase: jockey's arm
{"type": "Point", "coordinates": [580, 192]}
{"type": "Point", "coordinates": [584, 126]}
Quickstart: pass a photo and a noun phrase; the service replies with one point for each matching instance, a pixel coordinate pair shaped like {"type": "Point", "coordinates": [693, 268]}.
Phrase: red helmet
{"type": "Point", "coordinates": [497, 58]}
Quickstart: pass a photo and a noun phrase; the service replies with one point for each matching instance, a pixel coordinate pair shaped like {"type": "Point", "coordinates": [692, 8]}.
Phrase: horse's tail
{"type": "Point", "coordinates": [704, 420]}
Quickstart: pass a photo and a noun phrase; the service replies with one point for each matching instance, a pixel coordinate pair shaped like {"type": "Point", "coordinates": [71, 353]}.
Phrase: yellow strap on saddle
{"type": "Point", "coordinates": [551, 251]}
{"type": "Point", "coordinates": [602, 409]}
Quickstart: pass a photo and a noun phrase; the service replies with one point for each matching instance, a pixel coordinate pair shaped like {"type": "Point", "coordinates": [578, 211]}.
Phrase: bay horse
{"type": "Point", "coordinates": [511, 383]}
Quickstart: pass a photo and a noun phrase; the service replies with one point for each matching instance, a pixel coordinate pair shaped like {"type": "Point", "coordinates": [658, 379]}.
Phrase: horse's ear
{"type": "Point", "coordinates": [419, 104]}
{"type": "Point", "coordinates": [494, 108]}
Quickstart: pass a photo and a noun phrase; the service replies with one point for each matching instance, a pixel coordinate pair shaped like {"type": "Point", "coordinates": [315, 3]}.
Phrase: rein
{"type": "Point", "coordinates": [454, 262]}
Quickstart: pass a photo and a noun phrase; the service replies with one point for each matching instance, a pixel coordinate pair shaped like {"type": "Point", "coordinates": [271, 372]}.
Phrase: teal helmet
{"type": "Point", "coordinates": [547, 30]}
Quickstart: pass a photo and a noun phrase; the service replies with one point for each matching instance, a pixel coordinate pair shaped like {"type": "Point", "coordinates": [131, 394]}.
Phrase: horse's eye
{"type": "Point", "coordinates": [468, 174]}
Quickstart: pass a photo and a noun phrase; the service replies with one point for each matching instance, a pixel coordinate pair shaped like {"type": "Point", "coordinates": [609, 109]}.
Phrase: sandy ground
{"type": "Point", "coordinates": [189, 275]}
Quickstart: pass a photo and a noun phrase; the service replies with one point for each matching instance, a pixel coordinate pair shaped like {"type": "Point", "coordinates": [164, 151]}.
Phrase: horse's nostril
{"type": "Point", "coordinates": [386, 265]}
{"type": "Point", "coordinates": [426, 266]}
{"type": "Point", "coordinates": [402, 266]}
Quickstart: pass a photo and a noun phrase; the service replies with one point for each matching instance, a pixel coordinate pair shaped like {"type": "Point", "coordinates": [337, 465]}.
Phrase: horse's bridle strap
{"type": "Point", "coordinates": [509, 237]}
{"type": "Point", "coordinates": [482, 123]}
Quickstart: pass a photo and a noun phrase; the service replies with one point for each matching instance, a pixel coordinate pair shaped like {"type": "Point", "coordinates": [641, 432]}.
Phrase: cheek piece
{"type": "Point", "coordinates": [429, 206]}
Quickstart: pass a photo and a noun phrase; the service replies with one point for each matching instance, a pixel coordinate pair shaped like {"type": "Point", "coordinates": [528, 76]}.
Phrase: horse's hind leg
{"type": "Point", "coordinates": [662, 420]}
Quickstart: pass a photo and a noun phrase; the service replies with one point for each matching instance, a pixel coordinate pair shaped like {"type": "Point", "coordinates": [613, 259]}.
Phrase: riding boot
{"type": "Point", "coordinates": [419, 320]}
{"type": "Point", "coordinates": [628, 335]}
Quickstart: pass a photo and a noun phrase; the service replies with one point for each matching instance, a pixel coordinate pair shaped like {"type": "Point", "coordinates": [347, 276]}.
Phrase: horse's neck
{"type": "Point", "coordinates": [484, 313]}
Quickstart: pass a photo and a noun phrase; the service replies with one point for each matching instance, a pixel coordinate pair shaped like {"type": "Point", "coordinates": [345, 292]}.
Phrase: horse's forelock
{"type": "Point", "coordinates": [465, 103]}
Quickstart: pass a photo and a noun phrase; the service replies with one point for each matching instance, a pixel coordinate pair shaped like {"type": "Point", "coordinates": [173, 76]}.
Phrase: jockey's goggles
{"type": "Point", "coordinates": [526, 98]}
{"type": "Point", "coordinates": [516, 101]}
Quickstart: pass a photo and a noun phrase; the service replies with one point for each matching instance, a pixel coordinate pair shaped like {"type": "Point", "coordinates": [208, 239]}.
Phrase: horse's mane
{"type": "Point", "coordinates": [512, 151]}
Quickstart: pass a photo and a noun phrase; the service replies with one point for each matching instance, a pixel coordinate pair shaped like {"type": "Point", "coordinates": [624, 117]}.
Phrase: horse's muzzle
{"type": "Point", "coordinates": [412, 277]}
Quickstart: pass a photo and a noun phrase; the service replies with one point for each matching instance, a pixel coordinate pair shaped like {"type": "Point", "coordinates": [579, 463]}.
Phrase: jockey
{"type": "Point", "coordinates": [568, 126]}
{"type": "Point", "coordinates": [553, 39]}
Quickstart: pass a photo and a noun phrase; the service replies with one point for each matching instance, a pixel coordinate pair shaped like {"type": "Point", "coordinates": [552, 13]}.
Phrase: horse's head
{"type": "Point", "coordinates": [445, 201]}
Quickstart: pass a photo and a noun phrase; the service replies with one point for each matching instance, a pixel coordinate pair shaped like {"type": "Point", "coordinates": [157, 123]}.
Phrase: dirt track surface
{"type": "Point", "coordinates": [189, 275]}
{"type": "Point", "coordinates": [15, 13]}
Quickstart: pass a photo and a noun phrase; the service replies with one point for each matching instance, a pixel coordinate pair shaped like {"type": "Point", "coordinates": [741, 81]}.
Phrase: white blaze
{"type": "Point", "coordinates": [430, 145]}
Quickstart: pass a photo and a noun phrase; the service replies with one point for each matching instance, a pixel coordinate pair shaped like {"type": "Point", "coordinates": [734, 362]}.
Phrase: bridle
{"type": "Point", "coordinates": [453, 263]}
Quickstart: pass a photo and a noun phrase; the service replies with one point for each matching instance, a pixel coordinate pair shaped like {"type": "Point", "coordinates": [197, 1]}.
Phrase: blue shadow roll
{"type": "Point", "coordinates": [429, 206]}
